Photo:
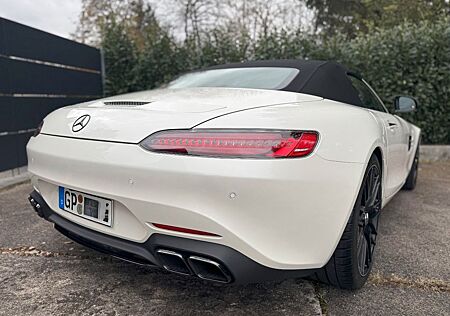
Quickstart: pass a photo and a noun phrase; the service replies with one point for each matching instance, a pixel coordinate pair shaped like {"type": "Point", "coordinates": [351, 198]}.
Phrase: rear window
{"type": "Point", "coordinates": [272, 78]}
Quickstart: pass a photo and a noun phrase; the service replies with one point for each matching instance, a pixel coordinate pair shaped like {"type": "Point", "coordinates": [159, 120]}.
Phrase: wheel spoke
{"type": "Point", "coordinates": [368, 238]}
{"type": "Point", "coordinates": [369, 187]}
{"type": "Point", "coordinates": [373, 229]}
{"type": "Point", "coordinates": [362, 252]}
{"type": "Point", "coordinates": [374, 191]}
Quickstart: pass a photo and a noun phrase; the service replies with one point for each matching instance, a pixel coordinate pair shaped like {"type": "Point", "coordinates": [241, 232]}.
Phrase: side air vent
{"type": "Point", "coordinates": [125, 103]}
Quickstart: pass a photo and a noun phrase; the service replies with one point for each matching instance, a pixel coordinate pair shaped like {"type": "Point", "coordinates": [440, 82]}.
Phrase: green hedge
{"type": "Point", "coordinates": [411, 59]}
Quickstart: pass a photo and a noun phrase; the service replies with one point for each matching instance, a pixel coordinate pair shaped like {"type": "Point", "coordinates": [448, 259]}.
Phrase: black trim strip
{"type": "Point", "coordinates": [90, 139]}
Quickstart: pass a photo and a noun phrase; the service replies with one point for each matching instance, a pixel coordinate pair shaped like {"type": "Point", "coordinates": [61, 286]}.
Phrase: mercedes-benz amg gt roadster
{"type": "Point", "coordinates": [240, 173]}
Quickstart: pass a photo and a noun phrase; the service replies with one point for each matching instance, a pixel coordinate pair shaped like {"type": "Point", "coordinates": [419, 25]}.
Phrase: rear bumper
{"type": "Point", "coordinates": [286, 214]}
{"type": "Point", "coordinates": [237, 266]}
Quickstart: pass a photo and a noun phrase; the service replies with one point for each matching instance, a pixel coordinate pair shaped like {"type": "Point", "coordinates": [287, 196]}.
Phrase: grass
{"type": "Point", "coordinates": [419, 283]}
{"type": "Point", "coordinates": [318, 290]}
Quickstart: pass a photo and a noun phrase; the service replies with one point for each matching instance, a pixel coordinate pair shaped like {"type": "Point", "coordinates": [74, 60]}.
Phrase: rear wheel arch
{"type": "Point", "coordinates": [374, 151]}
{"type": "Point", "coordinates": [342, 268]}
{"type": "Point", "coordinates": [379, 154]}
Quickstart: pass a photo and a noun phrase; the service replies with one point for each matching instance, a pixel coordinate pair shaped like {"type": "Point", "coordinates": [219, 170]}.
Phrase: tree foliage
{"type": "Point", "coordinates": [353, 17]}
{"type": "Point", "coordinates": [135, 17]}
{"type": "Point", "coordinates": [120, 59]}
{"type": "Point", "coordinates": [406, 58]}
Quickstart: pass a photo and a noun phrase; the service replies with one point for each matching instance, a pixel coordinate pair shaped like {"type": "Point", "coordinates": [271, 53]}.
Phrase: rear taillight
{"type": "Point", "coordinates": [233, 143]}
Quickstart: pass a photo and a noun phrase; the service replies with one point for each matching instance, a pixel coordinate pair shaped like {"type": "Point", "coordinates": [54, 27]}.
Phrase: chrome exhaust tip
{"type": "Point", "coordinates": [209, 270]}
{"type": "Point", "coordinates": [173, 262]}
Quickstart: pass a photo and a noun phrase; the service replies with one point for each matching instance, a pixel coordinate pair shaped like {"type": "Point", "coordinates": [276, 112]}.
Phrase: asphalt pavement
{"type": "Point", "coordinates": [44, 273]}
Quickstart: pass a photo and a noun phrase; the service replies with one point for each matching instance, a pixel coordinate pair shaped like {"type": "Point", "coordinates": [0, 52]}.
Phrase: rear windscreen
{"type": "Point", "coordinates": [272, 78]}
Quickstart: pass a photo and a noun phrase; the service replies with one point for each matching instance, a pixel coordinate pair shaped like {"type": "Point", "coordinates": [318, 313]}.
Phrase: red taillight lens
{"type": "Point", "coordinates": [233, 143]}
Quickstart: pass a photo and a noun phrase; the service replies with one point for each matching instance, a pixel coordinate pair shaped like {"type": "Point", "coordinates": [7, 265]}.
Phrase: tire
{"type": "Point", "coordinates": [350, 265]}
{"type": "Point", "coordinates": [411, 180]}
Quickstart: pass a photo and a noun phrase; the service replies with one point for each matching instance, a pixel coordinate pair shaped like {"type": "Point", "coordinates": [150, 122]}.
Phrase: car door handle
{"type": "Point", "coordinates": [392, 125]}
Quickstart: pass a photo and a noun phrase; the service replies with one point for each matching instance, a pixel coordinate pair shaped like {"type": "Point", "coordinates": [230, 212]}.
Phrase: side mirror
{"type": "Point", "coordinates": [405, 104]}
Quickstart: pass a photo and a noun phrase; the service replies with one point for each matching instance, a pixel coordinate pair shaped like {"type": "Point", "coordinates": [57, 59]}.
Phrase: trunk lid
{"type": "Point", "coordinates": [132, 117]}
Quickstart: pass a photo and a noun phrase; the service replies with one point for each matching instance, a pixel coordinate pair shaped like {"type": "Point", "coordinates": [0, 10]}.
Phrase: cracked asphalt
{"type": "Point", "coordinates": [44, 273]}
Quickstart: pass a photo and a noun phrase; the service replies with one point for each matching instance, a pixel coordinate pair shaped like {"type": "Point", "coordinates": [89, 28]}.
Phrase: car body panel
{"type": "Point", "coordinates": [279, 217]}
{"type": "Point", "coordinates": [171, 109]}
{"type": "Point", "coordinates": [285, 213]}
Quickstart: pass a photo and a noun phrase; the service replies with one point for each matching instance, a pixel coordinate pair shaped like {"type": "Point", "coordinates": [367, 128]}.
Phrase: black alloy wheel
{"type": "Point", "coordinates": [369, 212]}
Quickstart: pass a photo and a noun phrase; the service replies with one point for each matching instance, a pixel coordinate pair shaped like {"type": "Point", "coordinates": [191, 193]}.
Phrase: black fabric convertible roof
{"type": "Point", "coordinates": [326, 79]}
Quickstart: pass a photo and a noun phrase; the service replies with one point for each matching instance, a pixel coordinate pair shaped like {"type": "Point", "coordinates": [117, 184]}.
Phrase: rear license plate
{"type": "Point", "coordinates": [88, 206]}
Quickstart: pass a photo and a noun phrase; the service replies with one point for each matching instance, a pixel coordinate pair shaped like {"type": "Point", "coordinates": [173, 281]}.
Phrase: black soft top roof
{"type": "Point", "coordinates": [326, 79]}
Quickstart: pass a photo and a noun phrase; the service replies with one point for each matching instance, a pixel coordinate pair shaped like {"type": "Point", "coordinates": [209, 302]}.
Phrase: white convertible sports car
{"type": "Point", "coordinates": [236, 173]}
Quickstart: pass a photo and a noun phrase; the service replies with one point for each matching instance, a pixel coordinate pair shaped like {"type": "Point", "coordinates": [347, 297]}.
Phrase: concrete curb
{"type": "Point", "coordinates": [434, 152]}
{"type": "Point", "coordinates": [12, 177]}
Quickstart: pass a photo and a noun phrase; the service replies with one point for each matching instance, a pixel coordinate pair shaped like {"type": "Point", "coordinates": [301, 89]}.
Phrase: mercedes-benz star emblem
{"type": "Point", "coordinates": [80, 123]}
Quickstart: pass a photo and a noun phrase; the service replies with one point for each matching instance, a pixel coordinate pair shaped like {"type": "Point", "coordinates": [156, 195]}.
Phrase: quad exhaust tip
{"type": "Point", "coordinates": [203, 268]}
{"type": "Point", "coordinates": [208, 269]}
{"type": "Point", "coordinates": [173, 262]}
